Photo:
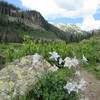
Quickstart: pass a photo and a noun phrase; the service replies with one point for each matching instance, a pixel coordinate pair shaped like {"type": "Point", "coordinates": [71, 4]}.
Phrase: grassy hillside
{"type": "Point", "coordinates": [14, 31]}
{"type": "Point", "coordinates": [90, 48]}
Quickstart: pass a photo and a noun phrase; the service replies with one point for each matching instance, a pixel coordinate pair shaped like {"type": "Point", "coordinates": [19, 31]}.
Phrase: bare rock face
{"type": "Point", "coordinates": [26, 17]}
{"type": "Point", "coordinates": [19, 77]}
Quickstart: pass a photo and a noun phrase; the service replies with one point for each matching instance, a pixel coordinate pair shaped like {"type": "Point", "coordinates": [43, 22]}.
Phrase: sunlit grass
{"type": "Point", "coordinates": [90, 48]}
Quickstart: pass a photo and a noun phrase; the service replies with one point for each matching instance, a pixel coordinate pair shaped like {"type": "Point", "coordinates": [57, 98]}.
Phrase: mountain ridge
{"type": "Point", "coordinates": [31, 19]}
{"type": "Point", "coordinates": [15, 23]}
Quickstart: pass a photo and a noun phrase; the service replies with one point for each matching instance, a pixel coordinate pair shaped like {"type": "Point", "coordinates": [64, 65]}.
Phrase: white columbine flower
{"type": "Point", "coordinates": [74, 86]}
{"type": "Point", "coordinates": [60, 61]}
{"type": "Point", "coordinates": [77, 73]}
{"type": "Point", "coordinates": [82, 84]}
{"type": "Point", "coordinates": [36, 59]}
{"type": "Point", "coordinates": [54, 55]}
{"type": "Point", "coordinates": [68, 62]}
{"type": "Point", "coordinates": [75, 62]}
{"type": "Point", "coordinates": [71, 86]}
{"type": "Point", "coordinates": [84, 59]}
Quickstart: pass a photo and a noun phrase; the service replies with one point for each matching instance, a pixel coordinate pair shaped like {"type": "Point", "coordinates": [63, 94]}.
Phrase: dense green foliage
{"type": "Point", "coordinates": [90, 48]}
{"type": "Point", "coordinates": [3, 20]}
{"type": "Point", "coordinates": [50, 87]}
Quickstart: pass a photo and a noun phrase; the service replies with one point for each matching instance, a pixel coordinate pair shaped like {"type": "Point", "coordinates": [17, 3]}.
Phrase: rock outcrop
{"type": "Point", "coordinates": [19, 77]}
{"type": "Point", "coordinates": [26, 17]}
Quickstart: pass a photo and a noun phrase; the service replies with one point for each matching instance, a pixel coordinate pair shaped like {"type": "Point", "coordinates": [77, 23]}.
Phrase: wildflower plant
{"type": "Point", "coordinates": [67, 62]}
{"type": "Point", "coordinates": [84, 59]}
{"type": "Point", "coordinates": [73, 86]}
{"type": "Point", "coordinates": [54, 55]}
{"type": "Point", "coordinates": [61, 83]}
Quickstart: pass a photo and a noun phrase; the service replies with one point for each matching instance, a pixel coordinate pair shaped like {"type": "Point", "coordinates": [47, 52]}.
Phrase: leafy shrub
{"type": "Point", "coordinates": [50, 87]}
{"type": "Point", "coordinates": [4, 20]}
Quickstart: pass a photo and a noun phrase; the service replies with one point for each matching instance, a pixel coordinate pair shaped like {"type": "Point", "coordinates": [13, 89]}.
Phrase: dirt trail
{"type": "Point", "coordinates": [92, 92]}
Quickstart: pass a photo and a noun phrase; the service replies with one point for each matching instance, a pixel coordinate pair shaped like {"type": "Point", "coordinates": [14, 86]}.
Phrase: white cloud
{"type": "Point", "coordinates": [66, 8]}
{"type": "Point", "coordinates": [69, 4]}
{"type": "Point", "coordinates": [63, 8]}
{"type": "Point", "coordinates": [89, 23]}
{"type": "Point", "coordinates": [46, 7]}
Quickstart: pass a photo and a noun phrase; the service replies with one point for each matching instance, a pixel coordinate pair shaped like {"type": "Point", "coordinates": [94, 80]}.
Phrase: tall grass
{"type": "Point", "coordinates": [90, 48]}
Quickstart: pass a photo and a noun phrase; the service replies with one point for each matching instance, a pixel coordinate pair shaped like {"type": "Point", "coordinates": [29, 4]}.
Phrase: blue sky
{"type": "Point", "coordinates": [84, 13]}
{"type": "Point", "coordinates": [97, 16]}
{"type": "Point", "coordinates": [66, 20]}
{"type": "Point", "coordinates": [17, 3]}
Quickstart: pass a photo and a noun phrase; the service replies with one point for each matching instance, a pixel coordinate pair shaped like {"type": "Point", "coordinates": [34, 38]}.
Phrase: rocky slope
{"type": "Point", "coordinates": [68, 27]}
{"type": "Point", "coordinates": [73, 32]}
{"type": "Point", "coordinates": [72, 28]}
